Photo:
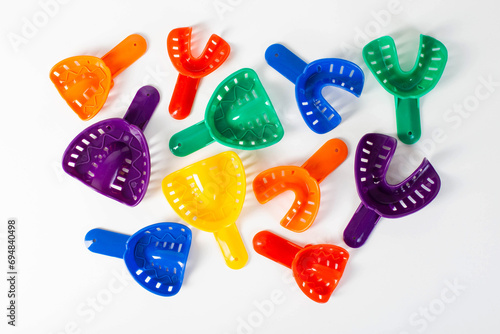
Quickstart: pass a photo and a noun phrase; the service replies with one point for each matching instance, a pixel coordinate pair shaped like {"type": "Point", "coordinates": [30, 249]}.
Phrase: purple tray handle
{"type": "Point", "coordinates": [360, 226]}
{"type": "Point", "coordinates": [142, 107]}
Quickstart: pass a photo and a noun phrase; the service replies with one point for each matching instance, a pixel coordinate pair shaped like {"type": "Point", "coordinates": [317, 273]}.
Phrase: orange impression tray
{"type": "Point", "coordinates": [209, 195]}
{"type": "Point", "coordinates": [84, 81]}
{"type": "Point", "coordinates": [303, 181]}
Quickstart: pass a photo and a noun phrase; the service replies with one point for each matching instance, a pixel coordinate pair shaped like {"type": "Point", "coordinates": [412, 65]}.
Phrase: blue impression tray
{"type": "Point", "coordinates": [310, 79]}
{"type": "Point", "coordinates": [155, 255]}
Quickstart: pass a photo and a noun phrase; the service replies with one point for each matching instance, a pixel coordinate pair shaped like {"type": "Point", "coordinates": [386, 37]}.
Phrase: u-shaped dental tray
{"type": "Point", "coordinates": [379, 198]}
{"type": "Point", "coordinates": [310, 79]}
{"type": "Point", "coordinates": [303, 181]}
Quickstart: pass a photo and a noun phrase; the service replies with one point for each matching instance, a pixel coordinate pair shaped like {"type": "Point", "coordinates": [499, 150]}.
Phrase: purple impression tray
{"type": "Point", "coordinates": [112, 156]}
{"type": "Point", "coordinates": [380, 199]}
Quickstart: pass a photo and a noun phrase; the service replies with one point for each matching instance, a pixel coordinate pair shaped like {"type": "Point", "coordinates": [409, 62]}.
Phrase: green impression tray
{"type": "Point", "coordinates": [239, 115]}
{"type": "Point", "coordinates": [381, 58]}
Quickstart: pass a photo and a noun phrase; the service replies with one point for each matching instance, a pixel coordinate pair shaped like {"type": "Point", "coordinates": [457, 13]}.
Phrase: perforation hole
{"type": "Point", "coordinates": [425, 188]}
{"type": "Point", "coordinates": [411, 200]}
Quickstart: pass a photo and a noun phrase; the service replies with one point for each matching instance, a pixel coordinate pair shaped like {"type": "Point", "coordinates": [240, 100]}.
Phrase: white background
{"type": "Point", "coordinates": [398, 282]}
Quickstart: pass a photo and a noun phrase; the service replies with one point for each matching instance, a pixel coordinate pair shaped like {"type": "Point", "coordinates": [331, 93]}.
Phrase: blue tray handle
{"type": "Point", "coordinates": [106, 242]}
{"type": "Point", "coordinates": [285, 62]}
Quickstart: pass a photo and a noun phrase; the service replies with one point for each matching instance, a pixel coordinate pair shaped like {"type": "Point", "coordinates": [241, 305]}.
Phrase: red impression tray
{"type": "Point", "coordinates": [191, 69]}
{"type": "Point", "coordinates": [317, 269]}
{"type": "Point", "coordinates": [303, 181]}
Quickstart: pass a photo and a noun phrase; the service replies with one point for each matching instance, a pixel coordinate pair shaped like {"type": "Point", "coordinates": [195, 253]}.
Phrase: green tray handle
{"type": "Point", "coordinates": [190, 139]}
{"type": "Point", "coordinates": [408, 120]}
